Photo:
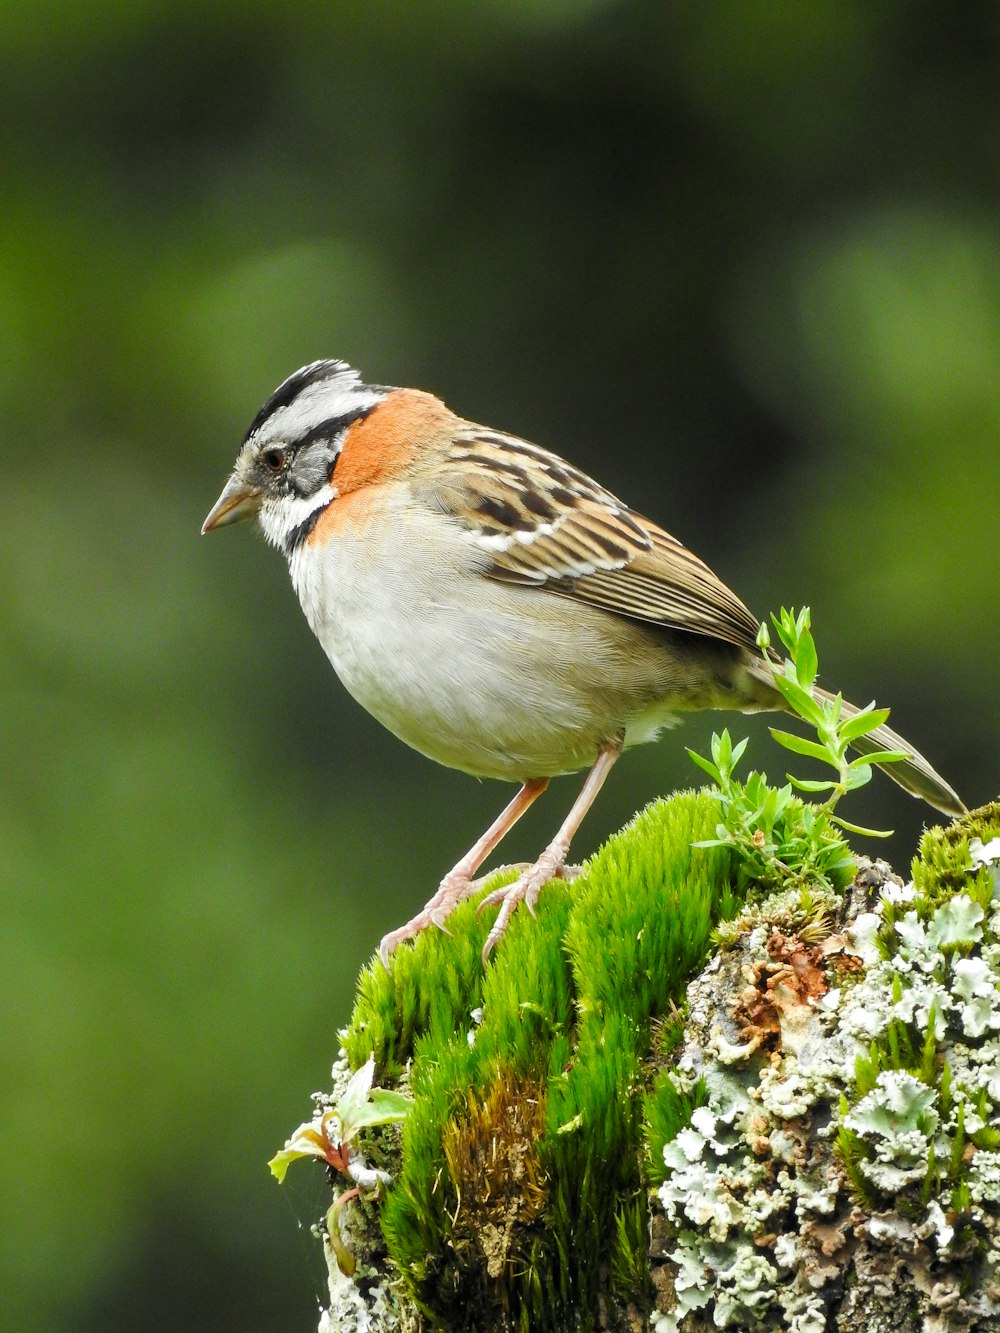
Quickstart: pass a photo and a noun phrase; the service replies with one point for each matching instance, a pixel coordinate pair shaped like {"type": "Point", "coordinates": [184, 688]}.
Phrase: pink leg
{"type": "Point", "coordinates": [551, 862]}
{"type": "Point", "coordinates": [458, 883]}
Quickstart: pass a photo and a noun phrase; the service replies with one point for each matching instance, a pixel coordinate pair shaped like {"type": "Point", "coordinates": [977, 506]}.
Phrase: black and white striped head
{"type": "Point", "coordinates": [284, 468]}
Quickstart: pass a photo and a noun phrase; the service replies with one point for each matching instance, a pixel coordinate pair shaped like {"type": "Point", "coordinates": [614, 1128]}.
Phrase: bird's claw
{"type": "Point", "coordinates": [526, 889]}
{"type": "Point", "coordinates": [450, 893]}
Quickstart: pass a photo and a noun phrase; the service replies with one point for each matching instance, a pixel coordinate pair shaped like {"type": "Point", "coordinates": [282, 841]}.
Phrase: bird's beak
{"type": "Point", "coordinates": [237, 501]}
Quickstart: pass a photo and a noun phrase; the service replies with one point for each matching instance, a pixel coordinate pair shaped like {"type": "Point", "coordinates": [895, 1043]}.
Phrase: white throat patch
{"type": "Point", "coordinates": [279, 518]}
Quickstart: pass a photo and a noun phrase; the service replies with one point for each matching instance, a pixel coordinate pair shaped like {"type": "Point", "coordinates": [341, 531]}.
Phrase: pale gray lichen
{"type": "Point", "coordinates": [984, 1178]}
{"type": "Point", "coordinates": [899, 1121]}
{"type": "Point", "coordinates": [763, 1218]}
{"type": "Point", "coordinates": [372, 1310]}
{"type": "Point", "coordinates": [930, 983]}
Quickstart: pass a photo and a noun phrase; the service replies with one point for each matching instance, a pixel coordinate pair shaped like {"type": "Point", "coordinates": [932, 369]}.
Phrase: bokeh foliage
{"type": "Point", "coordinates": [741, 261]}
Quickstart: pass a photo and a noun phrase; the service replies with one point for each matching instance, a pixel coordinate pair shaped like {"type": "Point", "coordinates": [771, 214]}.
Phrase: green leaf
{"type": "Point", "coordinates": [362, 1105]}
{"type": "Point", "coordinates": [785, 627]}
{"type": "Point", "coordinates": [345, 1259]}
{"type": "Point", "coordinates": [280, 1163]}
{"type": "Point", "coordinates": [808, 785]}
{"type": "Point", "coordinates": [307, 1141]}
{"type": "Point", "coordinates": [881, 757]}
{"type": "Point", "coordinates": [791, 627]}
{"type": "Point", "coordinates": [356, 1092]}
{"type": "Point", "coordinates": [800, 700]}
{"type": "Point", "coordinates": [384, 1107]}
{"type": "Point", "coordinates": [805, 661]}
{"type": "Point", "coordinates": [867, 720]}
{"type": "Point", "coordinates": [722, 750]}
{"type": "Point", "coordinates": [706, 764]}
{"type": "Point", "coordinates": [859, 828]}
{"type": "Point", "coordinates": [802, 746]}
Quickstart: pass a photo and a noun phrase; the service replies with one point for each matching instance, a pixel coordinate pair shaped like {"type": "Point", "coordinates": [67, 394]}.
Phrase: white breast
{"type": "Point", "coordinates": [494, 680]}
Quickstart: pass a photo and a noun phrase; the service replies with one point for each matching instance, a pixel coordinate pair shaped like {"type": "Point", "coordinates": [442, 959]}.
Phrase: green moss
{"type": "Point", "coordinates": [668, 1110]}
{"type": "Point", "coordinates": [943, 863]}
{"type": "Point", "coordinates": [432, 985]}
{"type": "Point", "coordinates": [853, 1150]}
{"type": "Point", "coordinates": [809, 911]}
{"type": "Point", "coordinates": [668, 1033]}
{"type": "Point", "coordinates": [546, 1084]}
{"type": "Point", "coordinates": [630, 1253]}
{"type": "Point", "coordinates": [645, 909]}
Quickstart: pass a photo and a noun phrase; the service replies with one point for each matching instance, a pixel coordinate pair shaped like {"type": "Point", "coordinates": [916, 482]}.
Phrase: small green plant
{"type": "Point", "coordinates": [328, 1136]}
{"type": "Point", "coordinates": [778, 836]}
{"type": "Point", "coordinates": [796, 682]}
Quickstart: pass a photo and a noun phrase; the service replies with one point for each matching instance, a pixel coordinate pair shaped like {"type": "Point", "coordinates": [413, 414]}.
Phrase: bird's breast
{"type": "Point", "coordinates": [496, 680]}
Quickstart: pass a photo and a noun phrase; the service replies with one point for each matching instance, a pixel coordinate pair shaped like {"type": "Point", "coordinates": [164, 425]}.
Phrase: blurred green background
{"type": "Point", "coordinates": [742, 261]}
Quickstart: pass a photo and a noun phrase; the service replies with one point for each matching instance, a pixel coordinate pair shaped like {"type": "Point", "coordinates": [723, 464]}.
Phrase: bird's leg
{"type": "Point", "coordinates": [458, 883]}
{"type": "Point", "coordinates": [551, 862]}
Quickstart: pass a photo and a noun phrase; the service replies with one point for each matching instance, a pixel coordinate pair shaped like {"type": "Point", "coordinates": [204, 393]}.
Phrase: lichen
{"type": "Point", "coordinates": [881, 1039]}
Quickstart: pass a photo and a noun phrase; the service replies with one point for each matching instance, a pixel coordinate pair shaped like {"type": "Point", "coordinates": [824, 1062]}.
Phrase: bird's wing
{"type": "Point", "coordinates": [536, 520]}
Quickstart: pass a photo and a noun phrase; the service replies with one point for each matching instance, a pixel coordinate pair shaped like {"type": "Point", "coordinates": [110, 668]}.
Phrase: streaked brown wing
{"type": "Point", "coordinates": [537, 520]}
{"type": "Point", "coordinates": [669, 585]}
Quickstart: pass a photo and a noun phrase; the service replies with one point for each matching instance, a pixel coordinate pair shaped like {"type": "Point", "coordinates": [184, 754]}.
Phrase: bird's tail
{"type": "Point", "coordinates": [914, 774]}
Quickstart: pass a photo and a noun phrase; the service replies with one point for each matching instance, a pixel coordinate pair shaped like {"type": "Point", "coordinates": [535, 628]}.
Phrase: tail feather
{"type": "Point", "coordinates": [914, 774]}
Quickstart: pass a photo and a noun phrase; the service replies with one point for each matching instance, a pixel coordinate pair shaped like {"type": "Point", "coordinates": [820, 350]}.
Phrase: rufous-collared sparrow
{"type": "Point", "coordinates": [493, 606]}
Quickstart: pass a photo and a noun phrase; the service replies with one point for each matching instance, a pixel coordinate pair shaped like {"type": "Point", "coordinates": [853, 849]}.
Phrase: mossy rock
{"type": "Point", "coordinates": [532, 1174]}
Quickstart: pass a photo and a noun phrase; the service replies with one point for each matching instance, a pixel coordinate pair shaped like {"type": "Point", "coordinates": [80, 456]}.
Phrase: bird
{"type": "Point", "coordinates": [495, 607]}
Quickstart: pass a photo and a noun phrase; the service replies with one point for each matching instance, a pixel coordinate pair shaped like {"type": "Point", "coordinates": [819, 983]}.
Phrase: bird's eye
{"type": "Point", "coordinates": [273, 460]}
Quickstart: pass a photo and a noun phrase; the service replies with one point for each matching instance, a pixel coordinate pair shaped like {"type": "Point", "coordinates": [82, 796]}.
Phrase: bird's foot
{"type": "Point", "coordinates": [526, 888]}
{"type": "Point", "coordinates": [456, 887]}
{"type": "Point", "coordinates": [452, 890]}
